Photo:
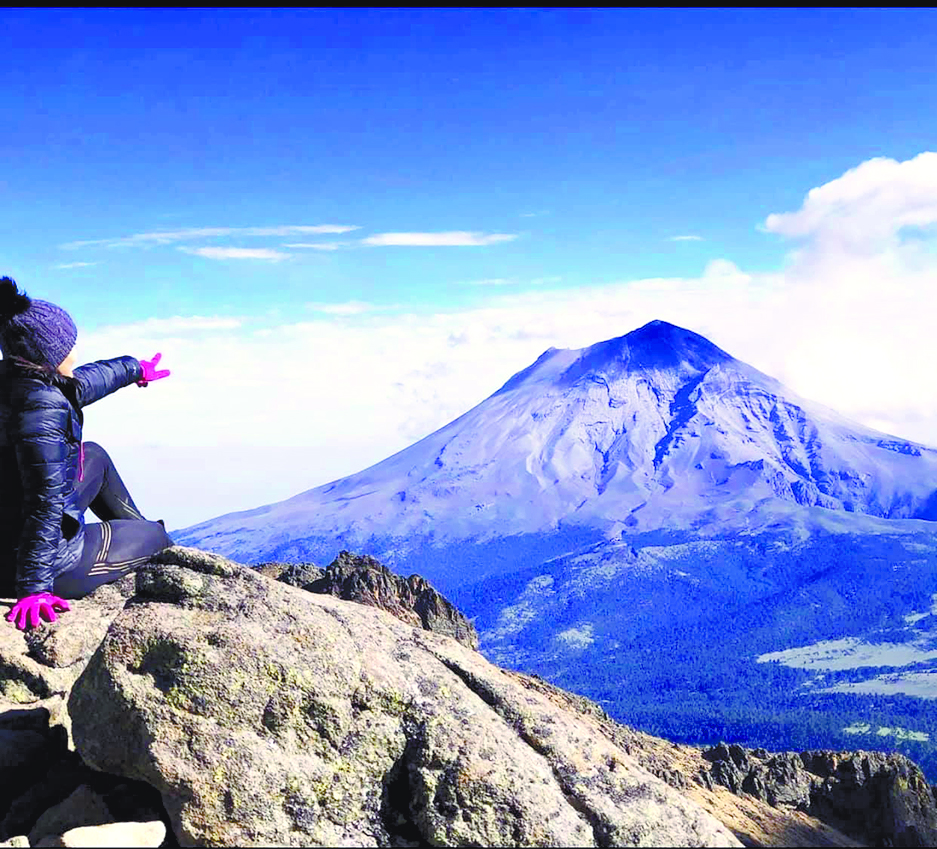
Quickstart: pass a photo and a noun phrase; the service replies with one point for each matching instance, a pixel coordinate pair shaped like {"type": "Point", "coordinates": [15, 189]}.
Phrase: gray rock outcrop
{"type": "Point", "coordinates": [38, 667]}
{"type": "Point", "coordinates": [119, 835]}
{"type": "Point", "coordinates": [267, 715]}
{"type": "Point", "coordinates": [212, 703]}
{"type": "Point", "coordinates": [83, 807]}
{"type": "Point", "coordinates": [63, 795]}
{"type": "Point", "coordinates": [365, 580]}
{"type": "Point", "coordinates": [883, 798]}
{"type": "Point", "coordinates": [294, 574]}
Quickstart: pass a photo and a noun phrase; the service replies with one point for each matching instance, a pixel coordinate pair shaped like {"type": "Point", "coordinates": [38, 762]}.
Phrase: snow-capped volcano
{"type": "Point", "coordinates": [656, 428]}
{"type": "Point", "coordinates": [640, 521]}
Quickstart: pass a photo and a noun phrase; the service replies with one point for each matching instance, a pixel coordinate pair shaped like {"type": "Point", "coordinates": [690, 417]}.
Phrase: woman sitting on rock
{"type": "Point", "coordinates": [48, 478]}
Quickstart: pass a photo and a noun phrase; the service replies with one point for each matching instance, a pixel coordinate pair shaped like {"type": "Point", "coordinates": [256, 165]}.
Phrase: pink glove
{"type": "Point", "coordinates": [34, 606]}
{"type": "Point", "coordinates": [150, 372]}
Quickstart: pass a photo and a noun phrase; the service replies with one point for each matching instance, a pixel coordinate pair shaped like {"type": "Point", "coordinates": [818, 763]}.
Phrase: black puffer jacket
{"type": "Point", "coordinates": [41, 528]}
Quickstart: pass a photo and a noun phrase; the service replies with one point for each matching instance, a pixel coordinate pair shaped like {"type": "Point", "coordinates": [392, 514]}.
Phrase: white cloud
{"type": "Point", "coordinates": [686, 239]}
{"type": "Point", "coordinates": [537, 214]}
{"type": "Point", "coordinates": [850, 330]}
{"type": "Point", "coordinates": [65, 265]}
{"type": "Point", "coordinates": [451, 238]}
{"type": "Point", "coordinates": [347, 308]}
{"type": "Point", "coordinates": [510, 281]}
{"type": "Point", "coordinates": [724, 268]}
{"type": "Point", "coordinates": [236, 253]}
{"type": "Point", "coordinates": [854, 291]}
{"type": "Point", "coordinates": [865, 208]}
{"type": "Point", "coordinates": [167, 237]}
{"type": "Point", "coordinates": [317, 246]}
{"type": "Point", "coordinates": [182, 324]}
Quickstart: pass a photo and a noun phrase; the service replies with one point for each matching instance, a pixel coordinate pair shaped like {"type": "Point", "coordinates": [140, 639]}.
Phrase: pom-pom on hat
{"type": "Point", "coordinates": [35, 330]}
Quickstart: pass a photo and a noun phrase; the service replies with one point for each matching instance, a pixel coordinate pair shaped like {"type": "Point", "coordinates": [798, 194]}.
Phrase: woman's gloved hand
{"type": "Point", "coordinates": [36, 606]}
{"type": "Point", "coordinates": [150, 372]}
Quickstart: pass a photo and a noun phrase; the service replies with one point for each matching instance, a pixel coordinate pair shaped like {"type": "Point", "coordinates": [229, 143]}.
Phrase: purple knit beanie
{"type": "Point", "coordinates": [35, 330]}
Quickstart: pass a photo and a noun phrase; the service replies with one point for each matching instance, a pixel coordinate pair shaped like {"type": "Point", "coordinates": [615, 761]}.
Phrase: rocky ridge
{"type": "Point", "coordinates": [883, 798]}
{"type": "Point", "coordinates": [364, 579]}
{"type": "Point", "coordinates": [213, 704]}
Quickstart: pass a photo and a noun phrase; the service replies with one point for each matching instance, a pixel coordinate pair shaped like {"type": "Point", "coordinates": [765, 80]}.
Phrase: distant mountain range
{"type": "Point", "coordinates": [658, 525]}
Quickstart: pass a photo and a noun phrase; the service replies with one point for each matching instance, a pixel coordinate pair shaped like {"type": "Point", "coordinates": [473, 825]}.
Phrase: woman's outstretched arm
{"type": "Point", "coordinates": [99, 379]}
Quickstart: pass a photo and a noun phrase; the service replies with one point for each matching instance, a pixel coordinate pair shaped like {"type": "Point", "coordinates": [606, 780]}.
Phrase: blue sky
{"type": "Point", "coordinates": [159, 168]}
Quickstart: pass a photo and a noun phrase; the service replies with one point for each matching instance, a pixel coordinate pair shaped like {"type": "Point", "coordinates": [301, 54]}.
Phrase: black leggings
{"type": "Point", "coordinates": [121, 541]}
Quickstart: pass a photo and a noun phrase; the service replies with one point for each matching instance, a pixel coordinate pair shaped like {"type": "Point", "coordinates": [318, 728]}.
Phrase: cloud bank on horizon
{"type": "Point", "coordinates": [845, 322]}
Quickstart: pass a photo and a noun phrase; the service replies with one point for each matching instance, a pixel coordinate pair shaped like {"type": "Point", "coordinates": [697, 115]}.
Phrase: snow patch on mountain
{"type": "Point", "coordinates": [922, 685]}
{"type": "Point", "coordinates": [851, 653]}
{"type": "Point", "coordinates": [579, 637]}
{"type": "Point", "coordinates": [886, 731]}
{"type": "Point", "coordinates": [515, 617]}
{"type": "Point", "coordinates": [913, 618]}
